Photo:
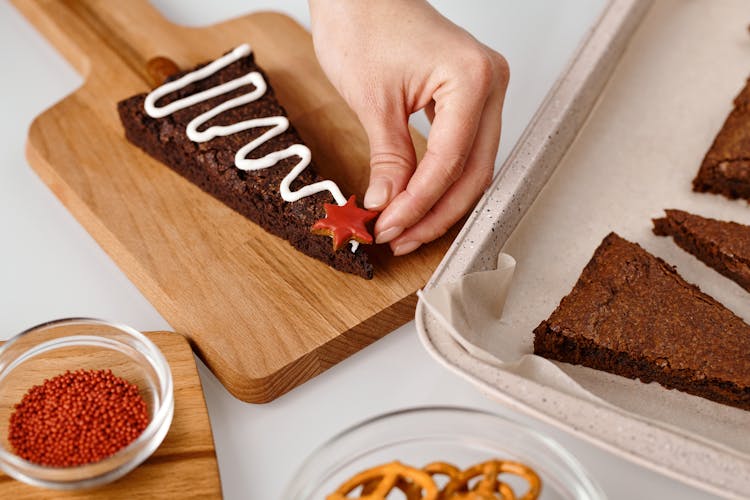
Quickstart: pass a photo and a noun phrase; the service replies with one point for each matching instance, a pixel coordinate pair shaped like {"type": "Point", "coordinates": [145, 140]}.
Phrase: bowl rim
{"type": "Point", "coordinates": [590, 485]}
{"type": "Point", "coordinates": [166, 407]}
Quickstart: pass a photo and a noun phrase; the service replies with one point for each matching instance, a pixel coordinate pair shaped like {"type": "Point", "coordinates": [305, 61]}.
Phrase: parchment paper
{"type": "Point", "coordinates": [636, 156]}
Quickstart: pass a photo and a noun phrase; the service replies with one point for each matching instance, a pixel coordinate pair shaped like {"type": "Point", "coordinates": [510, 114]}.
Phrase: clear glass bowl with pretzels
{"type": "Point", "coordinates": [441, 453]}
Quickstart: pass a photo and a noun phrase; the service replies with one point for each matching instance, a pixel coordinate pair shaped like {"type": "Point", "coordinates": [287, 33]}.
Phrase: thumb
{"type": "Point", "coordinates": [392, 157]}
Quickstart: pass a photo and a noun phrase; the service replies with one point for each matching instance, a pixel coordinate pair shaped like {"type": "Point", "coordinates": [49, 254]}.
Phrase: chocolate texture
{"type": "Point", "coordinates": [210, 164]}
{"type": "Point", "coordinates": [722, 245]}
{"type": "Point", "coordinates": [726, 167]}
{"type": "Point", "coordinates": [631, 314]}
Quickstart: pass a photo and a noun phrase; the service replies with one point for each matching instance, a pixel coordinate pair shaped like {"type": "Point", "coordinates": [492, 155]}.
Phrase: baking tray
{"type": "Point", "coordinates": [618, 139]}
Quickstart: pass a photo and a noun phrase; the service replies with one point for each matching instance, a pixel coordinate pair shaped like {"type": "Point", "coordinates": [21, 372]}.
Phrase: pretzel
{"type": "Point", "coordinates": [489, 484]}
{"type": "Point", "coordinates": [416, 484]}
{"type": "Point", "coordinates": [379, 481]}
{"type": "Point", "coordinates": [443, 469]}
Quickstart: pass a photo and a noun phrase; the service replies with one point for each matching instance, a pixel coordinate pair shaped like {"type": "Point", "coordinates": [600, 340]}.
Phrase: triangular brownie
{"type": "Point", "coordinates": [726, 166]}
{"type": "Point", "coordinates": [722, 245]}
{"type": "Point", "coordinates": [221, 127]}
{"type": "Point", "coordinates": [631, 314]}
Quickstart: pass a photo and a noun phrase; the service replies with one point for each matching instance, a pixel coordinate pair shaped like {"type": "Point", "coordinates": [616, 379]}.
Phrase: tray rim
{"type": "Point", "coordinates": [536, 155]}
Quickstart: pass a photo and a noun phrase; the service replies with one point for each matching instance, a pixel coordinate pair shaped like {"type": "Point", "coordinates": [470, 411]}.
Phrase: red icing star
{"type": "Point", "coordinates": [345, 223]}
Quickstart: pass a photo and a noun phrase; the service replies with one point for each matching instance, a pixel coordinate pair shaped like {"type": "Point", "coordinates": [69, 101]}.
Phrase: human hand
{"type": "Point", "coordinates": [389, 59]}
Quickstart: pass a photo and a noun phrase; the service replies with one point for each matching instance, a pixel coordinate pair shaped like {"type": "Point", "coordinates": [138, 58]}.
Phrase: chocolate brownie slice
{"type": "Point", "coordinates": [723, 245]}
{"type": "Point", "coordinates": [211, 164]}
{"type": "Point", "coordinates": [631, 314]}
{"type": "Point", "coordinates": [726, 166]}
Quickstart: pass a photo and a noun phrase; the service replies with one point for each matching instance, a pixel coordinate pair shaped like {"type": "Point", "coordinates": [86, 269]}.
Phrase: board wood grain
{"type": "Point", "coordinates": [262, 316]}
{"type": "Point", "coordinates": [184, 466]}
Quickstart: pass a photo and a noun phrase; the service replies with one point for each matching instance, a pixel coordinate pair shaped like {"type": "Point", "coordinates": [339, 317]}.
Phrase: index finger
{"type": "Point", "coordinates": [449, 145]}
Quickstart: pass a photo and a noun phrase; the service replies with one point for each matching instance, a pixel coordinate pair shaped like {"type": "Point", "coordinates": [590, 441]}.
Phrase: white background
{"type": "Point", "coordinates": [51, 268]}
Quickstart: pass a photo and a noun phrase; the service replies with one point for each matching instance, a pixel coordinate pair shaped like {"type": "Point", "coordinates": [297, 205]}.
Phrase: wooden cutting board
{"type": "Point", "coordinates": [184, 466]}
{"type": "Point", "coordinates": [262, 316]}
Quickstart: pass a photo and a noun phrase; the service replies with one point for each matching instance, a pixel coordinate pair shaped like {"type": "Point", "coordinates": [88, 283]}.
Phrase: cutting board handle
{"type": "Point", "coordinates": [88, 31]}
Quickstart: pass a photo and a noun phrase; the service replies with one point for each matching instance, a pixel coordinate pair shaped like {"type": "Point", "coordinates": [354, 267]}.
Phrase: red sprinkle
{"type": "Point", "coordinates": [77, 418]}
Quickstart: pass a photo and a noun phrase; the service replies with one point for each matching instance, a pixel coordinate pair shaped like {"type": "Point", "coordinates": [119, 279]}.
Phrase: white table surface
{"type": "Point", "coordinates": [51, 268]}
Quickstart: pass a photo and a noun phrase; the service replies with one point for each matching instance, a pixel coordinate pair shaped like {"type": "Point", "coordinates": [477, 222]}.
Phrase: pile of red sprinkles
{"type": "Point", "coordinates": [77, 418]}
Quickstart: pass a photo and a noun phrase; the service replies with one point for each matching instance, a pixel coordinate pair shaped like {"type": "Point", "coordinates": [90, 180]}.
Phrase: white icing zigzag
{"type": "Point", "coordinates": [278, 124]}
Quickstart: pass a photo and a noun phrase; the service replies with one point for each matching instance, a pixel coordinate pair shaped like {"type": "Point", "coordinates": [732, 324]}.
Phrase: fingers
{"type": "Point", "coordinates": [459, 108]}
{"type": "Point", "coordinates": [448, 146]}
{"type": "Point", "coordinates": [392, 157]}
{"type": "Point", "coordinates": [463, 194]}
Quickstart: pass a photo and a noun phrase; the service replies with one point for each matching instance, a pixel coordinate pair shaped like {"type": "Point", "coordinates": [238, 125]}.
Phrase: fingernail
{"type": "Point", "coordinates": [377, 194]}
{"type": "Point", "coordinates": [388, 234]}
{"type": "Point", "coordinates": [406, 247]}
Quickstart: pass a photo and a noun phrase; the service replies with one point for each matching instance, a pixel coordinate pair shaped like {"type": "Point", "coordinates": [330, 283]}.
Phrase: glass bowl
{"type": "Point", "coordinates": [50, 349]}
{"type": "Point", "coordinates": [460, 436]}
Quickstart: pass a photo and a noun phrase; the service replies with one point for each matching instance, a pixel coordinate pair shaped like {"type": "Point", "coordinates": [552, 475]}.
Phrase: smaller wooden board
{"type": "Point", "coordinates": [184, 466]}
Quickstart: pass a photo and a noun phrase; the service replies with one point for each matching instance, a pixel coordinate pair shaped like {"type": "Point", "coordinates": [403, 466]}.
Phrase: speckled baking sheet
{"type": "Point", "coordinates": [635, 155]}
